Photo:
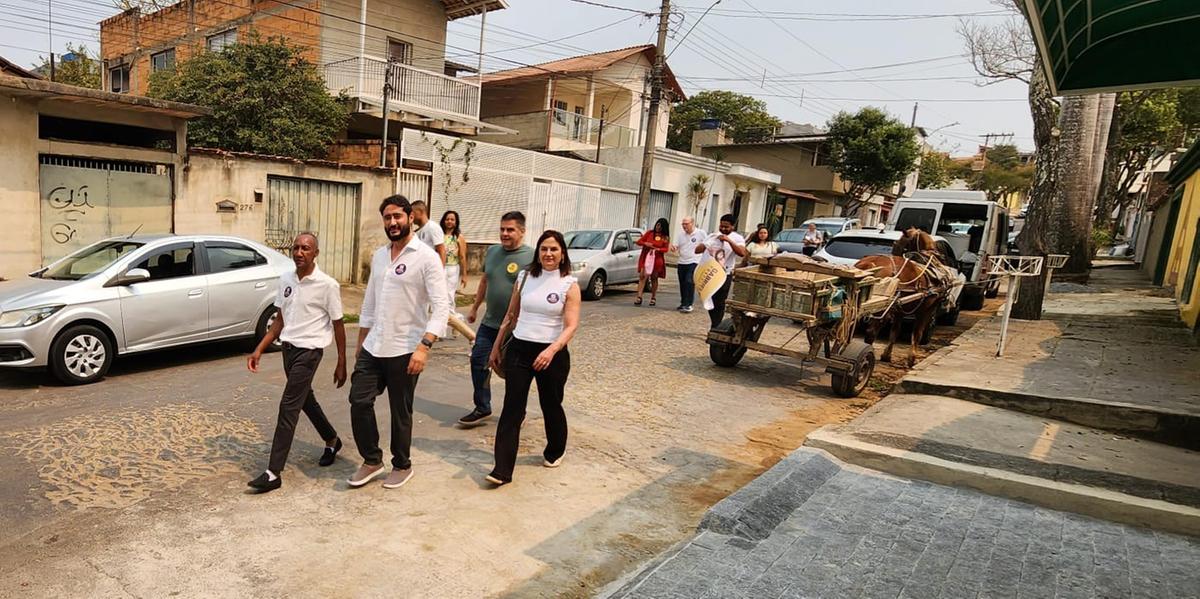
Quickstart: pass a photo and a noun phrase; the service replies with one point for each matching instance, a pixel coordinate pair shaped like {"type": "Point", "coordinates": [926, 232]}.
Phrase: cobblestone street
{"type": "Point", "coordinates": [115, 485]}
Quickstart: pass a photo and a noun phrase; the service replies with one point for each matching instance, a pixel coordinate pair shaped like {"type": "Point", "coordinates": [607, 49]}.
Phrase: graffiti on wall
{"type": "Point", "coordinates": [68, 206]}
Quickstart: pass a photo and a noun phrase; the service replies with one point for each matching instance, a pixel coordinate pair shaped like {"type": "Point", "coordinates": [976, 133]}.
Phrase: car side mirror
{"type": "Point", "coordinates": [131, 276]}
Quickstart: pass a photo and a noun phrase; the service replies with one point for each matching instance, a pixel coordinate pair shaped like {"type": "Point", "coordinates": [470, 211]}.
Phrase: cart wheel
{"type": "Point", "coordinates": [724, 354]}
{"type": "Point", "coordinates": [850, 384]}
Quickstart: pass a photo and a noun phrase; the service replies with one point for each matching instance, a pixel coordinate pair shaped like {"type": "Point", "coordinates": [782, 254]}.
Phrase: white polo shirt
{"type": "Point", "coordinates": [309, 306]}
{"type": "Point", "coordinates": [400, 292]}
{"type": "Point", "coordinates": [687, 245]}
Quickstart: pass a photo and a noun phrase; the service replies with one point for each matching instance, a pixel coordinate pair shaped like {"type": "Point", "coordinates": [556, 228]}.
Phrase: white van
{"type": "Point", "coordinates": [974, 226]}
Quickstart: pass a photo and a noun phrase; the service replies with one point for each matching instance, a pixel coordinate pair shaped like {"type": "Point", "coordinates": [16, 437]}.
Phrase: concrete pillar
{"type": "Point", "coordinates": [549, 103]}
{"type": "Point", "coordinates": [591, 102]}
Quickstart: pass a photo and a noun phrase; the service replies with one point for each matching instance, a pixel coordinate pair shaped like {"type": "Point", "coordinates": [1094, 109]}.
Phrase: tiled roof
{"type": "Point", "coordinates": [581, 64]}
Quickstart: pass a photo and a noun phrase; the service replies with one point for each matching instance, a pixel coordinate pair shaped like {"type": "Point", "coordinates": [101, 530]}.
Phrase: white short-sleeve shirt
{"type": "Point", "coordinates": [687, 242]}
{"type": "Point", "coordinates": [432, 235]}
{"type": "Point", "coordinates": [722, 251]}
{"type": "Point", "coordinates": [308, 306]}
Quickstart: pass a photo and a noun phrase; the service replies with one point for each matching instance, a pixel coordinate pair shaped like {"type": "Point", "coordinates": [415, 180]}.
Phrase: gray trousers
{"type": "Point", "coordinates": [300, 365]}
{"type": "Point", "coordinates": [371, 376]}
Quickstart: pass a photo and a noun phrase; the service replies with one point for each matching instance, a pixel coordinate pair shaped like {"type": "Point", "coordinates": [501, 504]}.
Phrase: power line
{"type": "Point", "coordinates": [614, 7]}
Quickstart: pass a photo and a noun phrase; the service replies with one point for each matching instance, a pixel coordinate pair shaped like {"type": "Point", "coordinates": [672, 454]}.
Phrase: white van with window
{"type": "Point", "coordinates": [974, 226]}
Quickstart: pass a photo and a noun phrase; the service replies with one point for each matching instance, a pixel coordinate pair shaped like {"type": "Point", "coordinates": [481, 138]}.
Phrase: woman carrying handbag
{"type": "Point", "coordinates": [543, 316]}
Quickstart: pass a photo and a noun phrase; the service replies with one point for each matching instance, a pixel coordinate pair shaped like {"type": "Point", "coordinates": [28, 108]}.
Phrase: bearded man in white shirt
{"type": "Point", "coordinates": [404, 312]}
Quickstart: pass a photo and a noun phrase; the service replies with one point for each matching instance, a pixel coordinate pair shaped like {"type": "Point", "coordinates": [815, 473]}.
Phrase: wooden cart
{"type": "Point", "coordinates": [826, 301]}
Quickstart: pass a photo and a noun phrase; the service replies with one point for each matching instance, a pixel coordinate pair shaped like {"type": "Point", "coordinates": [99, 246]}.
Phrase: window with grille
{"type": "Point", "coordinates": [163, 61]}
{"type": "Point", "coordinates": [219, 41]}
{"type": "Point", "coordinates": [118, 79]}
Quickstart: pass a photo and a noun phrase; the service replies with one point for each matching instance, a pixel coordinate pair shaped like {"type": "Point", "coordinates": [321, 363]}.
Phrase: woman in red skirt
{"type": "Point", "coordinates": [652, 264]}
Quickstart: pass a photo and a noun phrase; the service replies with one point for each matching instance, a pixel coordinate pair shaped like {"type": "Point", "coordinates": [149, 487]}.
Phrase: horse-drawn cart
{"type": "Point", "coordinates": [825, 300]}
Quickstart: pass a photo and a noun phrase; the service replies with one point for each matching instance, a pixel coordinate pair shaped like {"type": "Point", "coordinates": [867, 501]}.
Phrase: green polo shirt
{"type": "Point", "coordinates": [501, 266]}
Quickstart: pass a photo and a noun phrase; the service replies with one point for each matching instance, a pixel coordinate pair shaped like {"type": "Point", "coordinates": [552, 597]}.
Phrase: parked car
{"type": "Point", "coordinates": [940, 211]}
{"type": "Point", "coordinates": [850, 247]}
{"type": "Point", "coordinates": [603, 257]}
{"type": "Point", "coordinates": [132, 294]}
{"type": "Point", "coordinates": [832, 225]}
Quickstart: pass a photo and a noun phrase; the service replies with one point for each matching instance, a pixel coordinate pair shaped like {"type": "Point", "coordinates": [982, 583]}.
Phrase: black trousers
{"type": "Point", "coordinates": [371, 376]}
{"type": "Point", "coordinates": [518, 376]}
{"type": "Point", "coordinates": [299, 365]}
{"type": "Point", "coordinates": [718, 299]}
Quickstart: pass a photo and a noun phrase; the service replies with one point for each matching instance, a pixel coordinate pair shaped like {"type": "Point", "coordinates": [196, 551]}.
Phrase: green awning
{"type": "Point", "coordinates": [1111, 45]}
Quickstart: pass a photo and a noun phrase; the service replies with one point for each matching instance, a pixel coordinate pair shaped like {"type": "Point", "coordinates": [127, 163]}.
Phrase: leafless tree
{"type": "Point", "coordinates": [146, 6]}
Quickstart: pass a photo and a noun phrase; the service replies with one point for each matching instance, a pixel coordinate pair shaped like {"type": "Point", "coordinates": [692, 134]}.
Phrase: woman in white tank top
{"type": "Point", "coordinates": [543, 315]}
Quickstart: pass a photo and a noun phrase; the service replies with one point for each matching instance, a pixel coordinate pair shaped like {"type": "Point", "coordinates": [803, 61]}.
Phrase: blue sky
{"type": "Point", "coordinates": [799, 48]}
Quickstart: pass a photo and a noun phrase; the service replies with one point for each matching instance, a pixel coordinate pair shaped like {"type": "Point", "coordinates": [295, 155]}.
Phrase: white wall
{"type": "Point", "coordinates": [20, 246]}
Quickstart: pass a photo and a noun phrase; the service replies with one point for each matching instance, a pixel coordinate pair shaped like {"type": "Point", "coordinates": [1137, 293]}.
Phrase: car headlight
{"type": "Point", "coordinates": [578, 266]}
{"type": "Point", "coordinates": [27, 317]}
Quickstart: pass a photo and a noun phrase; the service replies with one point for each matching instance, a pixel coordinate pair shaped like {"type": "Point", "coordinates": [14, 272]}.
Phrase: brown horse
{"type": "Point", "coordinates": [914, 277]}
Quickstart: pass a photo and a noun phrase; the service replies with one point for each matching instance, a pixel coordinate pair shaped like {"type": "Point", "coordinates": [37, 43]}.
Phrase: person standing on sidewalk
{"type": "Point", "coordinates": [456, 258]}
{"type": "Point", "coordinates": [688, 260]}
{"type": "Point", "coordinates": [724, 247]}
{"type": "Point", "coordinates": [543, 315]}
{"type": "Point", "coordinates": [760, 245]}
{"type": "Point", "coordinates": [501, 264]}
{"type": "Point", "coordinates": [652, 263]}
{"type": "Point", "coordinates": [813, 240]}
{"type": "Point", "coordinates": [430, 235]}
{"type": "Point", "coordinates": [309, 318]}
{"type": "Point", "coordinates": [397, 329]}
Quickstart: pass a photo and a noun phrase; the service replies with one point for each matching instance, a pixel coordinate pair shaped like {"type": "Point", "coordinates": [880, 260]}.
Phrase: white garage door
{"type": "Point", "coordinates": [84, 201]}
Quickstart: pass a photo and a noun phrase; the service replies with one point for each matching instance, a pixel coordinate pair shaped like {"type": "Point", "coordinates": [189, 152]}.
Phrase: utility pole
{"type": "Point", "coordinates": [600, 133]}
{"type": "Point", "coordinates": [656, 81]}
{"type": "Point", "coordinates": [914, 119]}
{"type": "Point", "coordinates": [387, 91]}
{"type": "Point", "coordinates": [987, 139]}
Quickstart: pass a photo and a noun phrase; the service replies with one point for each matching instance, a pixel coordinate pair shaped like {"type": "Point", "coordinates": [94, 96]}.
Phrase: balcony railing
{"type": "Point", "coordinates": [586, 130]}
{"type": "Point", "coordinates": [412, 89]}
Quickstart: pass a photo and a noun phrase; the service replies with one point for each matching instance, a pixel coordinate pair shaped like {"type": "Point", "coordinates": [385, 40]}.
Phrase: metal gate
{"type": "Point", "coordinates": [662, 203]}
{"type": "Point", "coordinates": [327, 208]}
{"type": "Point", "coordinates": [85, 200]}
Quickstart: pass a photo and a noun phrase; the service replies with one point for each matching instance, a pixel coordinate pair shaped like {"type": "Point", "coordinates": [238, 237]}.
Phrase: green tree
{"type": "Point", "coordinates": [1146, 126]}
{"type": "Point", "coordinates": [82, 70]}
{"type": "Point", "coordinates": [265, 96]}
{"type": "Point", "coordinates": [745, 118]}
{"type": "Point", "coordinates": [937, 171]}
{"type": "Point", "coordinates": [1002, 173]}
{"type": "Point", "coordinates": [872, 152]}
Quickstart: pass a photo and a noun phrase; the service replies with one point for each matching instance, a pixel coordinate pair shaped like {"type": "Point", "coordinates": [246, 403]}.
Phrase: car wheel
{"type": "Point", "coordinates": [264, 324]}
{"type": "Point", "coordinates": [595, 287]}
{"type": "Point", "coordinates": [81, 354]}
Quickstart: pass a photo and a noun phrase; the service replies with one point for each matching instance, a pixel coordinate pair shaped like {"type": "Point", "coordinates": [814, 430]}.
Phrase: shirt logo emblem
{"type": "Point", "coordinates": [400, 268]}
{"type": "Point", "coordinates": [512, 267]}
{"type": "Point", "coordinates": [552, 298]}
{"type": "Point", "coordinates": [287, 292]}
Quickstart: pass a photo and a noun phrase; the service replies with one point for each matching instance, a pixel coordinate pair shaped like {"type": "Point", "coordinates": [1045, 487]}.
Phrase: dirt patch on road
{"type": "Point", "coordinates": [116, 460]}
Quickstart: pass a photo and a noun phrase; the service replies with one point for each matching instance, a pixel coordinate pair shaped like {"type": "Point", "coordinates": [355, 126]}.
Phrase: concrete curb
{"type": "Point", "coordinates": [753, 511]}
{"type": "Point", "coordinates": [1081, 499]}
{"type": "Point", "coordinates": [1172, 428]}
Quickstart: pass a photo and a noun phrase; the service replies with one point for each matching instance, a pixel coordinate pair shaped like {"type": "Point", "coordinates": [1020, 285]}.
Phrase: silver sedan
{"type": "Point", "coordinates": [131, 294]}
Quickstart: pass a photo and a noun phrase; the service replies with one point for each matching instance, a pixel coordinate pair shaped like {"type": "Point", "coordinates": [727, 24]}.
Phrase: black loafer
{"type": "Point", "coordinates": [330, 454]}
{"type": "Point", "coordinates": [264, 484]}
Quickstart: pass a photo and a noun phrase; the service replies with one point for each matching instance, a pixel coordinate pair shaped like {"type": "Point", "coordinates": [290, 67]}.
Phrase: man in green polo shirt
{"type": "Point", "coordinates": [500, 267]}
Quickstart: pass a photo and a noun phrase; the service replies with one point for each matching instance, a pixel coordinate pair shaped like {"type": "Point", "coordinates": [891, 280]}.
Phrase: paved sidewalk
{"type": "Point", "coordinates": [814, 527]}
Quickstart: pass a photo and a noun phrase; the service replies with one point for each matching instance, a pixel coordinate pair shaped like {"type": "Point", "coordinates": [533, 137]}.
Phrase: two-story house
{"type": "Point", "coordinates": [579, 104]}
{"type": "Point", "coordinates": [357, 44]}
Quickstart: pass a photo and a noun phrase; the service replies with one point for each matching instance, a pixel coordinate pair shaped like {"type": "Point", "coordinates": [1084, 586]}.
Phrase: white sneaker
{"type": "Point", "coordinates": [555, 463]}
{"type": "Point", "coordinates": [687, 310]}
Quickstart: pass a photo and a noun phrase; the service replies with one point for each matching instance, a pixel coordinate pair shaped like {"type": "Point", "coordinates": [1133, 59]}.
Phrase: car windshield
{"type": "Point", "coordinates": [829, 228]}
{"type": "Point", "coordinates": [790, 235]}
{"type": "Point", "coordinates": [89, 261]}
{"type": "Point", "coordinates": [855, 248]}
{"type": "Point", "coordinates": [587, 240]}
